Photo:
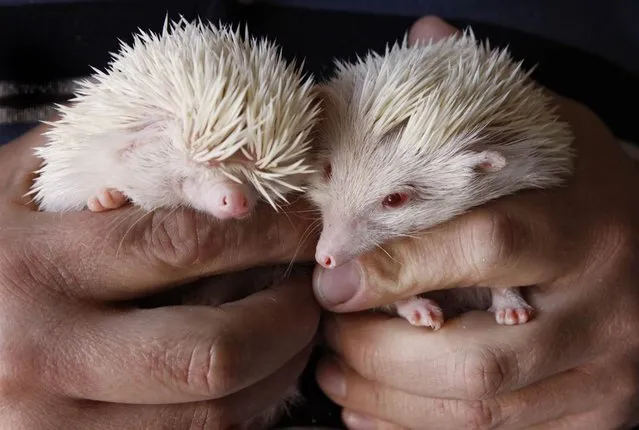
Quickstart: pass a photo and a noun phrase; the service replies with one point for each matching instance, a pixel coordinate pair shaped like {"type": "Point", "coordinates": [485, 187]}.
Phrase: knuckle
{"type": "Point", "coordinates": [209, 370]}
{"type": "Point", "coordinates": [220, 372]}
{"type": "Point", "coordinates": [484, 373]}
{"type": "Point", "coordinates": [179, 240]}
{"type": "Point", "coordinates": [495, 236]}
{"type": "Point", "coordinates": [478, 415]}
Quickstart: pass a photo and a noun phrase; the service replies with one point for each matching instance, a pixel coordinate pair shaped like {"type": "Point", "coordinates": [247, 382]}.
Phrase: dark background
{"type": "Point", "coordinates": [45, 42]}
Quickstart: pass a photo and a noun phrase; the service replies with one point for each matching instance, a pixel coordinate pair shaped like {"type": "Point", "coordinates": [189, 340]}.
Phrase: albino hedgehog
{"type": "Point", "coordinates": [417, 136]}
{"type": "Point", "coordinates": [196, 116]}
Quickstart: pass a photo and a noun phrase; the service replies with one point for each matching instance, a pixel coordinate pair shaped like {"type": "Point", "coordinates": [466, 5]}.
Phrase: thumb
{"type": "Point", "coordinates": [485, 247]}
{"type": "Point", "coordinates": [376, 270]}
{"type": "Point", "coordinates": [401, 269]}
{"type": "Point", "coordinates": [430, 28]}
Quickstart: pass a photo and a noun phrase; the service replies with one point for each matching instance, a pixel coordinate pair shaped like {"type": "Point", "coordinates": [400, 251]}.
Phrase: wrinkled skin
{"type": "Point", "coordinates": [574, 366]}
{"type": "Point", "coordinates": [76, 353]}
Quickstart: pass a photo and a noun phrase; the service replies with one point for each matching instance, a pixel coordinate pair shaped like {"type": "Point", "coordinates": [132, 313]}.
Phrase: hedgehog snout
{"type": "Point", "coordinates": [325, 260]}
{"type": "Point", "coordinates": [224, 199]}
{"type": "Point", "coordinates": [234, 203]}
{"type": "Point", "coordinates": [336, 244]}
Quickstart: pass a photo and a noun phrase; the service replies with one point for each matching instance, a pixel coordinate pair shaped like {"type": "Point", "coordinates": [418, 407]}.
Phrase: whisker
{"type": "Point", "coordinates": [308, 232]}
{"type": "Point", "coordinates": [122, 218]}
{"type": "Point", "coordinates": [408, 235]}
{"type": "Point", "coordinates": [387, 253]}
{"type": "Point", "coordinates": [128, 230]}
{"type": "Point", "coordinates": [170, 213]}
{"type": "Point", "coordinates": [301, 211]}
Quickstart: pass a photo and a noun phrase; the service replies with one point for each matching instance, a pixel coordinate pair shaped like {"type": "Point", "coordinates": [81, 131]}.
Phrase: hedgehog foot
{"type": "Point", "coordinates": [106, 199]}
{"type": "Point", "coordinates": [509, 307]}
{"type": "Point", "coordinates": [421, 312]}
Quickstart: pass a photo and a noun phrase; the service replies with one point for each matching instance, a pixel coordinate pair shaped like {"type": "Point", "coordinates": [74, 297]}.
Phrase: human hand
{"type": "Point", "coordinates": [574, 366]}
{"type": "Point", "coordinates": [76, 355]}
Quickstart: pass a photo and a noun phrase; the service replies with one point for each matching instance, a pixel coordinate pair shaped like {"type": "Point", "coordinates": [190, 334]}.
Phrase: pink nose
{"type": "Point", "coordinates": [326, 260]}
{"type": "Point", "coordinates": [234, 203]}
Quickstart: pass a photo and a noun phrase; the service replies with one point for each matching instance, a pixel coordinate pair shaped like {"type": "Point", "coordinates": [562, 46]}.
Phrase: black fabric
{"type": "Point", "coordinates": [320, 35]}
{"type": "Point", "coordinates": [44, 43]}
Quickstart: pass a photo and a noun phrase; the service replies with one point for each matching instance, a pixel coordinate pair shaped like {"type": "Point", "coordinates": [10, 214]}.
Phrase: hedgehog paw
{"type": "Point", "coordinates": [106, 199]}
{"type": "Point", "coordinates": [421, 312]}
{"type": "Point", "coordinates": [510, 308]}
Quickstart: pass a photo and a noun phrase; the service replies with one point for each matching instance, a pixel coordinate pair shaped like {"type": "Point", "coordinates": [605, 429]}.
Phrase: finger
{"type": "Point", "coordinates": [471, 357]}
{"type": "Point", "coordinates": [484, 247]}
{"type": "Point", "coordinates": [233, 410]}
{"type": "Point", "coordinates": [18, 163]}
{"type": "Point", "coordinates": [529, 238]}
{"type": "Point", "coordinates": [594, 420]}
{"type": "Point", "coordinates": [570, 393]}
{"type": "Point", "coordinates": [128, 253]}
{"type": "Point", "coordinates": [150, 250]}
{"type": "Point", "coordinates": [488, 246]}
{"type": "Point", "coordinates": [533, 237]}
{"type": "Point", "coordinates": [430, 28]}
{"type": "Point", "coordinates": [600, 386]}
{"type": "Point", "coordinates": [182, 353]}
{"type": "Point", "coordinates": [355, 421]}
{"type": "Point", "coordinates": [227, 412]}
{"type": "Point", "coordinates": [368, 399]}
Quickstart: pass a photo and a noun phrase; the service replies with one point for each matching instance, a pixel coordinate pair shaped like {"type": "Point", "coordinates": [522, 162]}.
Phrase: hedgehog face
{"type": "Point", "coordinates": [369, 194]}
{"type": "Point", "coordinates": [367, 198]}
{"type": "Point", "coordinates": [415, 136]}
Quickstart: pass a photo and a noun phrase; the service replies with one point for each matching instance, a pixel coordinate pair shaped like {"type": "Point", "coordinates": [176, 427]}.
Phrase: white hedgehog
{"type": "Point", "coordinates": [196, 116]}
{"type": "Point", "coordinates": [421, 134]}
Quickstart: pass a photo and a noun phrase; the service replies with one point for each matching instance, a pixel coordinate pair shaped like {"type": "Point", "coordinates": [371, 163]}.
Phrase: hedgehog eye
{"type": "Point", "coordinates": [328, 170]}
{"type": "Point", "coordinates": [395, 200]}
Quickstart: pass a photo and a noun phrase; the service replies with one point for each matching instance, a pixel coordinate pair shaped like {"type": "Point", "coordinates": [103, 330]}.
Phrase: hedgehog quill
{"type": "Point", "coordinates": [421, 134]}
{"type": "Point", "coordinates": [196, 116]}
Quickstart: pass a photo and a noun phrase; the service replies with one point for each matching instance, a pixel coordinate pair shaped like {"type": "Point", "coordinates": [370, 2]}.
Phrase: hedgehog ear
{"type": "Point", "coordinates": [487, 161]}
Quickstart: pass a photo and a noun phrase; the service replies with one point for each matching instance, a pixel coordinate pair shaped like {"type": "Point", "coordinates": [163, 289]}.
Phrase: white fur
{"type": "Point", "coordinates": [451, 125]}
{"type": "Point", "coordinates": [167, 106]}
{"type": "Point", "coordinates": [422, 120]}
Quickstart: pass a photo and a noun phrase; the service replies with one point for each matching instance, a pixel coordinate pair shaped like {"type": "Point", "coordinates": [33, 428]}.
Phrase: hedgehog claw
{"type": "Point", "coordinates": [421, 312]}
{"type": "Point", "coordinates": [106, 199]}
{"type": "Point", "coordinates": [510, 308]}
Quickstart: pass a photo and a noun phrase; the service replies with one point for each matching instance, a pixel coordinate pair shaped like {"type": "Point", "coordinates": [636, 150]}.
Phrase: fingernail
{"type": "Point", "coordinates": [336, 286]}
{"type": "Point", "coordinates": [331, 378]}
{"type": "Point", "coordinates": [356, 421]}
